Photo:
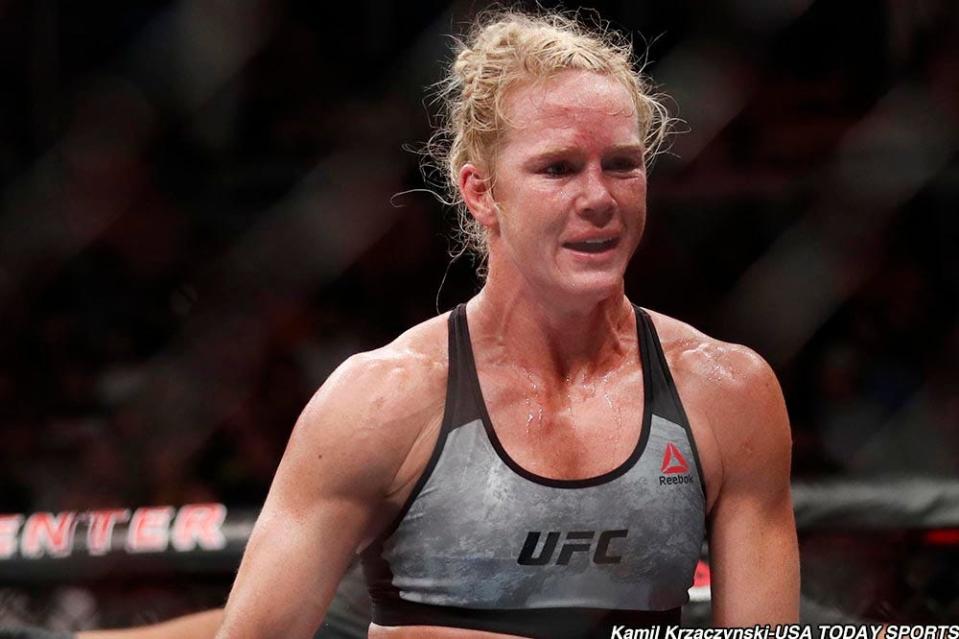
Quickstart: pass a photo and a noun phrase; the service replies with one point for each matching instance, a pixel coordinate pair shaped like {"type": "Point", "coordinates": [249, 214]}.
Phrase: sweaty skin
{"type": "Point", "coordinates": [201, 625]}
{"type": "Point", "coordinates": [551, 322]}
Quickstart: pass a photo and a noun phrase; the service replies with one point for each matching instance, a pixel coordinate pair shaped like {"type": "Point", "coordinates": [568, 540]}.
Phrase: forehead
{"type": "Point", "coordinates": [572, 107]}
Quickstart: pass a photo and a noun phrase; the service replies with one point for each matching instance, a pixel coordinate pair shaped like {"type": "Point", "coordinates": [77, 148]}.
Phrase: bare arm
{"type": "Point", "coordinates": [200, 625]}
{"type": "Point", "coordinates": [754, 553]}
{"type": "Point", "coordinates": [328, 496]}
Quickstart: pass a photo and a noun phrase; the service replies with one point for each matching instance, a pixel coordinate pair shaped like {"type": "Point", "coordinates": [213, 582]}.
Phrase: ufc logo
{"type": "Point", "coordinates": [575, 541]}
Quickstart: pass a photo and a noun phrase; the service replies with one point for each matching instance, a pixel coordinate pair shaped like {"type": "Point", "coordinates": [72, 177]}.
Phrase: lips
{"type": "Point", "coordinates": [597, 245]}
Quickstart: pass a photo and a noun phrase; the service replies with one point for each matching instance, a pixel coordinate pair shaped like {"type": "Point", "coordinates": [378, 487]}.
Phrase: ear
{"type": "Point", "coordinates": [477, 193]}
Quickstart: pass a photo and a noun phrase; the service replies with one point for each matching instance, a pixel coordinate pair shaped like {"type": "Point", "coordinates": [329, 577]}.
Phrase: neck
{"type": "Point", "coordinates": [568, 342]}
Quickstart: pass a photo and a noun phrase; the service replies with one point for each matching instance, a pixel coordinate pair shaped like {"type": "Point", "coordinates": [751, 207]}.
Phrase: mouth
{"type": "Point", "coordinates": [593, 246]}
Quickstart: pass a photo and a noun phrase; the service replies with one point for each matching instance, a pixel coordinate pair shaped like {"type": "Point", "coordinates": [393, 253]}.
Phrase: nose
{"type": "Point", "coordinates": [594, 201]}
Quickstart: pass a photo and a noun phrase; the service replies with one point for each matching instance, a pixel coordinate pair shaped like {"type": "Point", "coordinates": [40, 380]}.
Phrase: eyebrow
{"type": "Point", "coordinates": [630, 149]}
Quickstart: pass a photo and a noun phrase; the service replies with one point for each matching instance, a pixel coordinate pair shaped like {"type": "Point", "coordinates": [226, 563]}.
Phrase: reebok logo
{"type": "Point", "coordinates": [574, 541]}
{"type": "Point", "coordinates": [674, 469]}
{"type": "Point", "coordinates": [673, 461]}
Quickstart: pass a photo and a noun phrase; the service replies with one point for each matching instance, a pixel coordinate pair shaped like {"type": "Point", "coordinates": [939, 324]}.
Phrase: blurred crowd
{"type": "Point", "coordinates": [135, 229]}
{"type": "Point", "coordinates": [205, 209]}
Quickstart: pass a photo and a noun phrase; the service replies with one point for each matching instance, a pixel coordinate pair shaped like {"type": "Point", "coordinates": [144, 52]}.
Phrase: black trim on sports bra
{"type": "Point", "coordinates": [670, 387]}
{"type": "Point", "coordinates": [538, 623]}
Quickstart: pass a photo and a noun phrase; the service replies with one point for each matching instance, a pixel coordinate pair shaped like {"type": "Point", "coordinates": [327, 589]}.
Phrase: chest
{"type": "Point", "coordinates": [587, 429]}
{"type": "Point", "coordinates": [565, 430]}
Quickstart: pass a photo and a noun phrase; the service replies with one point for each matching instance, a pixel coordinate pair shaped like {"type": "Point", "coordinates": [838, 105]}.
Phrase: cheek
{"type": "Point", "coordinates": [632, 197]}
{"type": "Point", "coordinates": [533, 211]}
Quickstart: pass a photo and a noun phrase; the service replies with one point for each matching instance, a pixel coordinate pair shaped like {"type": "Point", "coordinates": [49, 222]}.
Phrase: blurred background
{"type": "Point", "coordinates": [201, 216]}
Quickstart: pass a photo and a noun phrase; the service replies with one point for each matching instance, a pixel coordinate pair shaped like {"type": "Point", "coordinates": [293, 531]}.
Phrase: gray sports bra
{"type": "Point", "coordinates": [482, 543]}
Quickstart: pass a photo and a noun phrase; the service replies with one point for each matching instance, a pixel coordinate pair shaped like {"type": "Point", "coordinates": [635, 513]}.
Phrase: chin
{"type": "Point", "coordinates": [592, 288]}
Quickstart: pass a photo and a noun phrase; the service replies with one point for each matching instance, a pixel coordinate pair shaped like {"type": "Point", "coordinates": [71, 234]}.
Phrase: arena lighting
{"type": "Point", "coordinates": [942, 537]}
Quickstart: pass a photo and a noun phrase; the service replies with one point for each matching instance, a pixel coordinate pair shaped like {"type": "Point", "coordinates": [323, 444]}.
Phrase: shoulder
{"type": "Point", "coordinates": [733, 394]}
{"type": "Point", "coordinates": [374, 407]}
{"type": "Point", "coordinates": [735, 371]}
{"type": "Point", "coordinates": [395, 379]}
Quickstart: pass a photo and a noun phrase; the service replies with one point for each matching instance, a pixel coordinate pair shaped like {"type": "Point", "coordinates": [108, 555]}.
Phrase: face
{"type": "Point", "coordinates": [570, 187]}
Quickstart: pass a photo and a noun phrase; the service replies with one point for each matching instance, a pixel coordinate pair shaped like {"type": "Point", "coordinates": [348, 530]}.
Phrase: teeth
{"type": "Point", "coordinates": [592, 246]}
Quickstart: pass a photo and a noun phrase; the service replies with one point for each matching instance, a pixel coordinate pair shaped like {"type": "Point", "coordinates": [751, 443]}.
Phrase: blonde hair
{"type": "Point", "coordinates": [503, 48]}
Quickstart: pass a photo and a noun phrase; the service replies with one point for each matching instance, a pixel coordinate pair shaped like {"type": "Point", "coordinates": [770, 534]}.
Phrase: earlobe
{"type": "Point", "coordinates": [475, 187]}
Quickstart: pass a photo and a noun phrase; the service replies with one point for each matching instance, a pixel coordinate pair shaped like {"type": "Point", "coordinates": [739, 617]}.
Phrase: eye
{"type": "Point", "coordinates": [622, 164]}
{"type": "Point", "coordinates": [557, 169]}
